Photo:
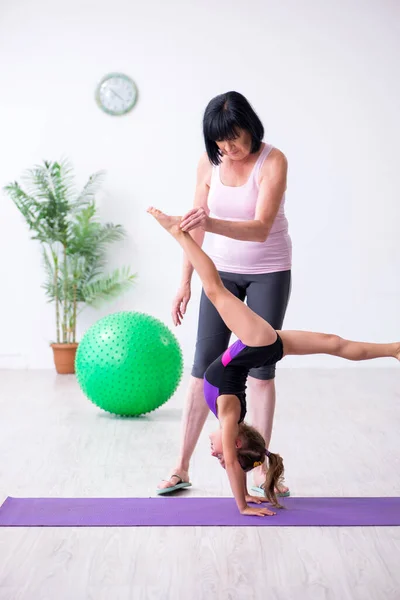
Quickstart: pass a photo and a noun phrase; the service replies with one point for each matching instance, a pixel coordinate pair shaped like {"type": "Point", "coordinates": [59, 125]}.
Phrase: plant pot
{"type": "Point", "coordinates": [64, 358]}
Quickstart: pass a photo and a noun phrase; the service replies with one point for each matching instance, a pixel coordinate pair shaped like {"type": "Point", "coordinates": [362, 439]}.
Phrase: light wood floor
{"type": "Point", "coordinates": [338, 431]}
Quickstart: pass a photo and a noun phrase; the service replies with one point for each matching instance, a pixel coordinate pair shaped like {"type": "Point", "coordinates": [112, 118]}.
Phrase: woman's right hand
{"type": "Point", "coordinates": [180, 303]}
{"type": "Point", "coordinates": [257, 512]}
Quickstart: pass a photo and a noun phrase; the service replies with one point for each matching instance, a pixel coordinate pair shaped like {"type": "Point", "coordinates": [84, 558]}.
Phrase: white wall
{"type": "Point", "coordinates": [322, 75]}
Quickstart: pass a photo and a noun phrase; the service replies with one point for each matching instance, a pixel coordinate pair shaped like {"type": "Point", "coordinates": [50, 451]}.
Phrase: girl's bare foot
{"type": "Point", "coordinates": [397, 351]}
{"type": "Point", "coordinates": [171, 224]}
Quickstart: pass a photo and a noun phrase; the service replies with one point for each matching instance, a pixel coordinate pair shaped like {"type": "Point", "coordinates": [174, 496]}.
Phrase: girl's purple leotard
{"type": "Point", "coordinates": [228, 373]}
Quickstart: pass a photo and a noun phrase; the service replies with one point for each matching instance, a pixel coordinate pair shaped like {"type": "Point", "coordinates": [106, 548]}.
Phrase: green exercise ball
{"type": "Point", "coordinates": [128, 363]}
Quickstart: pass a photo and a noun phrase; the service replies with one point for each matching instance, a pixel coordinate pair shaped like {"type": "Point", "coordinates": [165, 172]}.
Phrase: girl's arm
{"type": "Point", "coordinates": [235, 472]}
{"type": "Point", "coordinates": [236, 475]}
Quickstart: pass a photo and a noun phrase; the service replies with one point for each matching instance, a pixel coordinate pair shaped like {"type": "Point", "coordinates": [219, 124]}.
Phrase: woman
{"type": "Point", "coordinates": [238, 447]}
{"type": "Point", "coordinates": [239, 200]}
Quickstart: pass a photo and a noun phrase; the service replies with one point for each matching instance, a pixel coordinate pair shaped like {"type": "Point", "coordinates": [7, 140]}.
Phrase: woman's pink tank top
{"type": "Point", "coordinates": [239, 204]}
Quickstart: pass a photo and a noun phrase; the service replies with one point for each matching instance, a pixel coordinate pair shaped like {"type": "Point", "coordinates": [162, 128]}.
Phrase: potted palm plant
{"type": "Point", "coordinates": [73, 242]}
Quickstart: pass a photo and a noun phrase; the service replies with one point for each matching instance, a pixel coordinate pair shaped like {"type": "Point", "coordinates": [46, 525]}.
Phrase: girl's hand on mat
{"type": "Point", "coordinates": [180, 303]}
{"type": "Point", "coordinates": [255, 499]}
{"type": "Point", "coordinates": [196, 217]}
{"type": "Point", "coordinates": [257, 512]}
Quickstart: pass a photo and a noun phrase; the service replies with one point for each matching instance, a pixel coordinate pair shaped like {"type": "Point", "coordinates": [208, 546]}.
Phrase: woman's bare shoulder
{"type": "Point", "coordinates": [275, 161]}
{"type": "Point", "coordinates": [204, 169]}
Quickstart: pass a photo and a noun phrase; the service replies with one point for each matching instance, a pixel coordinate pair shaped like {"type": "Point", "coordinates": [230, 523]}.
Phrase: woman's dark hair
{"type": "Point", "coordinates": [253, 453]}
{"type": "Point", "coordinates": [224, 115]}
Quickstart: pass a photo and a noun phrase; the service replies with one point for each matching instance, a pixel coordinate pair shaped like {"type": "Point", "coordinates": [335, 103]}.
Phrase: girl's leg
{"type": "Point", "coordinates": [251, 329]}
{"type": "Point", "coordinates": [305, 342]}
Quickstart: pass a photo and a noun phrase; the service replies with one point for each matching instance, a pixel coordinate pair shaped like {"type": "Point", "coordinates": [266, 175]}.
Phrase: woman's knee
{"type": "Point", "coordinates": [263, 375]}
{"type": "Point", "coordinates": [198, 370]}
{"type": "Point", "coordinates": [201, 363]}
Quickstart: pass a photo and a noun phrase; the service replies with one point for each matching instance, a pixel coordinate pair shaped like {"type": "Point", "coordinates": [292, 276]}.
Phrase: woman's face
{"type": "Point", "coordinates": [236, 149]}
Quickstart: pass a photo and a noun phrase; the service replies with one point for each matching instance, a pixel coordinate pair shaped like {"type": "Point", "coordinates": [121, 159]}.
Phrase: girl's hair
{"type": "Point", "coordinates": [223, 117]}
{"type": "Point", "coordinates": [253, 454]}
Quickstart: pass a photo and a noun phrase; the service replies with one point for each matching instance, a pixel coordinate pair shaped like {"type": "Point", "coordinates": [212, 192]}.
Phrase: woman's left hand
{"type": "Point", "coordinates": [196, 217]}
{"type": "Point", "coordinates": [256, 499]}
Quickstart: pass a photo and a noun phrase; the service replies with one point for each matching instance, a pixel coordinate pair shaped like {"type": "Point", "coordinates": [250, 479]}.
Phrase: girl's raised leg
{"type": "Point", "coordinates": [249, 327]}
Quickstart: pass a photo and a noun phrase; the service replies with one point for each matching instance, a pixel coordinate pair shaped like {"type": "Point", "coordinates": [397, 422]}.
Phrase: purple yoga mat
{"type": "Point", "coordinates": [175, 512]}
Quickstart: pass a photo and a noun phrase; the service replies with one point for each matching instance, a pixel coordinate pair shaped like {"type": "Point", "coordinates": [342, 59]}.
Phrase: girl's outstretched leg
{"type": "Point", "coordinates": [306, 342]}
{"type": "Point", "coordinates": [202, 263]}
{"type": "Point", "coordinates": [238, 317]}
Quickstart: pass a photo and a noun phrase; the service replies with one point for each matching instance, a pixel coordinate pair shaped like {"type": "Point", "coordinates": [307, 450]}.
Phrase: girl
{"type": "Point", "coordinates": [238, 447]}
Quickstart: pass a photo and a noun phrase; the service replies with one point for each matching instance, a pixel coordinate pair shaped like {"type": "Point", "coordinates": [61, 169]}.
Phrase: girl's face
{"type": "Point", "coordinates": [216, 446]}
{"type": "Point", "coordinates": [236, 149]}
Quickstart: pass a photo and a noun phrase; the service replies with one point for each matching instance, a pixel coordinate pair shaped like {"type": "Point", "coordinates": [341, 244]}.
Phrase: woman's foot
{"type": "Point", "coordinates": [397, 351]}
{"type": "Point", "coordinates": [259, 476]}
{"type": "Point", "coordinates": [170, 224]}
{"type": "Point", "coordinates": [179, 476]}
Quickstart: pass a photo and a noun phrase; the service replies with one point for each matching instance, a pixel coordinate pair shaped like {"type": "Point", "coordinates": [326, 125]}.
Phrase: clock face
{"type": "Point", "coordinates": [116, 94]}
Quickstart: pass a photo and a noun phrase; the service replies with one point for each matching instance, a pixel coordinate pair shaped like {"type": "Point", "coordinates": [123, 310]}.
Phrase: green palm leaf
{"type": "Point", "coordinates": [108, 288]}
{"type": "Point", "coordinates": [88, 193]}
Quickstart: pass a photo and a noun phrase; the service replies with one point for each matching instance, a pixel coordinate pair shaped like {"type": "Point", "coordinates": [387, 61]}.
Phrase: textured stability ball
{"type": "Point", "coordinates": [128, 363]}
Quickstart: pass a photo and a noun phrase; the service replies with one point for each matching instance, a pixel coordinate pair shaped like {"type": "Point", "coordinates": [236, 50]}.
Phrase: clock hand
{"type": "Point", "coordinates": [115, 93]}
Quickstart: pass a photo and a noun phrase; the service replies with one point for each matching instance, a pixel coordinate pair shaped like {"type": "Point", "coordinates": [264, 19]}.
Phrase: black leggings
{"type": "Point", "coordinates": [267, 294]}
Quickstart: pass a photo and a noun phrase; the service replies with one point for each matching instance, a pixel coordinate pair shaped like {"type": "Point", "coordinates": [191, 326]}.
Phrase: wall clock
{"type": "Point", "coordinates": [116, 94]}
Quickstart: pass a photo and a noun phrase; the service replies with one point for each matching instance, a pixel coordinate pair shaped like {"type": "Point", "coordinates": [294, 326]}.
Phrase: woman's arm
{"type": "Point", "coordinates": [200, 201]}
{"type": "Point", "coordinates": [273, 179]}
{"type": "Point", "coordinates": [183, 294]}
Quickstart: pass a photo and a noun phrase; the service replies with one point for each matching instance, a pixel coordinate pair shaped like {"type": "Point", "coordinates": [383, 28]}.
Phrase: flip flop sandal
{"type": "Point", "coordinates": [174, 488]}
{"type": "Point", "coordinates": [258, 489]}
